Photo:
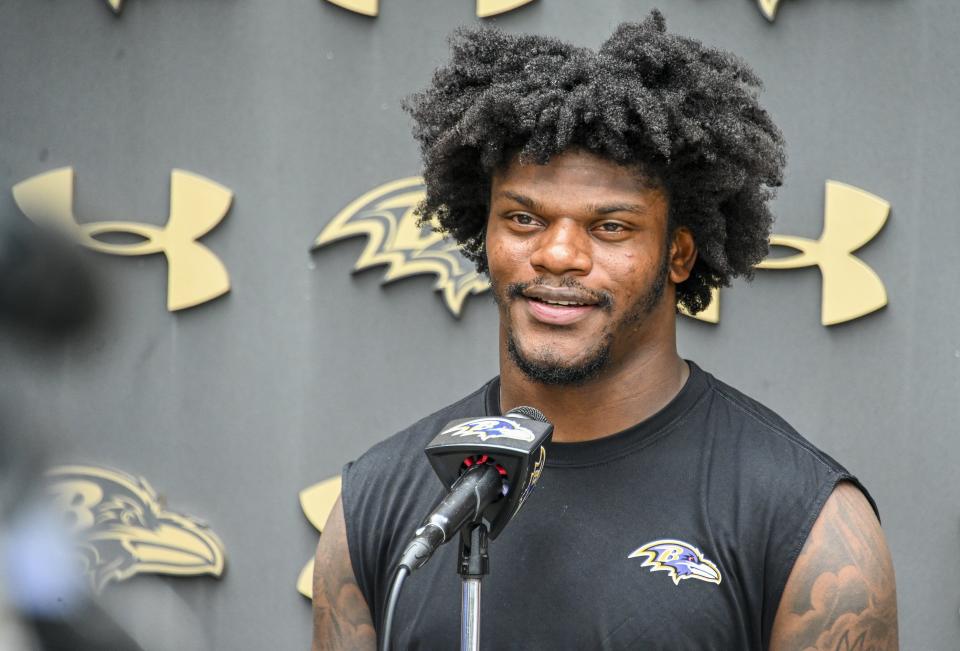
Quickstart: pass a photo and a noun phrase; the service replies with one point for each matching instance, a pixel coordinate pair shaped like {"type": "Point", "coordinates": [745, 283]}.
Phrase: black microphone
{"type": "Point", "coordinates": [472, 493]}
{"type": "Point", "coordinates": [490, 465]}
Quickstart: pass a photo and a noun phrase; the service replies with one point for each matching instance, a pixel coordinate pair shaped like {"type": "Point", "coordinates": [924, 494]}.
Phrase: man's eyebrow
{"type": "Point", "coordinates": [597, 209]}
{"type": "Point", "coordinates": [608, 208]}
{"type": "Point", "coordinates": [522, 199]}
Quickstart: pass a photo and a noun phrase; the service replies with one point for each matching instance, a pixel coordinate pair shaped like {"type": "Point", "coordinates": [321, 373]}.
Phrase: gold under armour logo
{"type": "Point", "coordinates": [851, 218]}
{"type": "Point", "coordinates": [485, 8]}
{"type": "Point", "coordinates": [194, 274]}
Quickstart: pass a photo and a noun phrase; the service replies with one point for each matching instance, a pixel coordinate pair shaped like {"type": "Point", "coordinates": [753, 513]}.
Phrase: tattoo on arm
{"type": "Point", "coordinates": [341, 618]}
{"type": "Point", "coordinates": [841, 594]}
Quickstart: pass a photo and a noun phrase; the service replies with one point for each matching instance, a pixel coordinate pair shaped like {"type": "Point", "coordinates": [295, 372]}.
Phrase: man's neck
{"type": "Point", "coordinates": [610, 403]}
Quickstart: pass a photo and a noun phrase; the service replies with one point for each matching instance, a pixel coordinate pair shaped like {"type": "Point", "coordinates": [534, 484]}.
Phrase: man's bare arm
{"type": "Point", "coordinates": [841, 594]}
{"type": "Point", "coordinates": [341, 618]}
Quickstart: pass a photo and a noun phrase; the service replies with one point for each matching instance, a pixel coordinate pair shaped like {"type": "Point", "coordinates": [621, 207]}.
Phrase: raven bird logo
{"type": "Point", "coordinates": [317, 502]}
{"type": "Point", "coordinates": [488, 428]}
{"type": "Point", "coordinates": [679, 559]}
{"type": "Point", "coordinates": [123, 529]}
{"type": "Point", "coordinates": [387, 217]}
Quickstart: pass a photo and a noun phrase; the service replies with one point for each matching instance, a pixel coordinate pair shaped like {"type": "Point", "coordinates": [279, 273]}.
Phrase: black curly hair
{"type": "Point", "coordinates": [686, 115]}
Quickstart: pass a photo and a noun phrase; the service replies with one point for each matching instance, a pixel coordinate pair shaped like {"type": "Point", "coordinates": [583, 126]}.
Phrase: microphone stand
{"type": "Point", "coordinates": [464, 456]}
{"type": "Point", "coordinates": [474, 564]}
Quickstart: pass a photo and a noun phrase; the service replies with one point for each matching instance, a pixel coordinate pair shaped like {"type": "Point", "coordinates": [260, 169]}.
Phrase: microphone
{"type": "Point", "coordinates": [490, 465]}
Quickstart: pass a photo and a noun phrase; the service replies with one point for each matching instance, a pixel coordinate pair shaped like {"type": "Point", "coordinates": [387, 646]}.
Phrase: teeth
{"type": "Point", "coordinates": [563, 303]}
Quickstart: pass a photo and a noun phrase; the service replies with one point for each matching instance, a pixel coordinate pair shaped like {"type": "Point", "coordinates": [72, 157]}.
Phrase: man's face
{"type": "Point", "coordinates": [579, 261]}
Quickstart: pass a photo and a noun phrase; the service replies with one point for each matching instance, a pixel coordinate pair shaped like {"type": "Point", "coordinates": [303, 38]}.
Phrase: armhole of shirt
{"type": "Point", "coordinates": [353, 540]}
{"type": "Point", "coordinates": [803, 534]}
{"type": "Point", "coordinates": [359, 506]}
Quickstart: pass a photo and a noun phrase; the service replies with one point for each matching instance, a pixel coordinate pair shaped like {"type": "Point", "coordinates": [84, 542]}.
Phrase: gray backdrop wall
{"type": "Point", "coordinates": [233, 407]}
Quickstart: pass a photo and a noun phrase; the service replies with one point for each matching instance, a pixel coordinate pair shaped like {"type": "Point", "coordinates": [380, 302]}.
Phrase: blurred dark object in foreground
{"type": "Point", "coordinates": [45, 289]}
{"type": "Point", "coordinates": [45, 292]}
{"type": "Point", "coordinates": [45, 590]}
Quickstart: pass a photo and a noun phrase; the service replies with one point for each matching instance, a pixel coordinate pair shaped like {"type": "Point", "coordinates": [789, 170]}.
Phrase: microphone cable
{"type": "Point", "coordinates": [399, 575]}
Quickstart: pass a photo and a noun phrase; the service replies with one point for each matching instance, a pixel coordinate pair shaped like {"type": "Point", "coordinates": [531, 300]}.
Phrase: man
{"type": "Point", "coordinates": [601, 190]}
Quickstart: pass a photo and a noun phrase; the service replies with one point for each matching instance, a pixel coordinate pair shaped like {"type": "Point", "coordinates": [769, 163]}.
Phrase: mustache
{"type": "Point", "coordinates": [516, 290]}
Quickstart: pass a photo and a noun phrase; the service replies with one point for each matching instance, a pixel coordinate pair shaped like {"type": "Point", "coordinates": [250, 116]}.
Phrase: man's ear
{"type": "Point", "coordinates": [683, 254]}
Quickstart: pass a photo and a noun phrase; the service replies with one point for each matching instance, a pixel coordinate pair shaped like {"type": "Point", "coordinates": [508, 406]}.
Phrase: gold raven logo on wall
{"type": "Point", "coordinates": [194, 274]}
{"type": "Point", "coordinates": [387, 217]}
{"type": "Point", "coordinates": [123, 529]}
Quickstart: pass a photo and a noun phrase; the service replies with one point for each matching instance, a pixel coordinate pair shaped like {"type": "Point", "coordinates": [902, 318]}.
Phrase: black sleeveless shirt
{"type": "Point", "coordinates": [678, 533]}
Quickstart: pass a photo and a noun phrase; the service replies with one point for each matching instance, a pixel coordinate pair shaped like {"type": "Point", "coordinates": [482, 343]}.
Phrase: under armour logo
{"type": "Point", "coordinates": [852, 217]}
{"type": "Point", "coordinates": [194, 274]}
{"type": "Point", "coordinates": [485, 8]}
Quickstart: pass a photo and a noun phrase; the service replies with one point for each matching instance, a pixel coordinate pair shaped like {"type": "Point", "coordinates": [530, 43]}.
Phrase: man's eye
{"type": "Point", "coordinates": [612, 227]}
{"type": "Point", "coordinates": [525, 220]}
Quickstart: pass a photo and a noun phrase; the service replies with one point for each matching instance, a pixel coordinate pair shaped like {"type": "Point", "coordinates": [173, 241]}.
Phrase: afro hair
{"type": "Point", "coordinates": [686, 115]}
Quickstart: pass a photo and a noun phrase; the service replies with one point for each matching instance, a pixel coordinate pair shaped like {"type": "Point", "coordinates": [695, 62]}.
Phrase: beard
{"type": "Point", "coordinates": [548, 368]}
{"type": "Point", "coordinates": [545, 366]}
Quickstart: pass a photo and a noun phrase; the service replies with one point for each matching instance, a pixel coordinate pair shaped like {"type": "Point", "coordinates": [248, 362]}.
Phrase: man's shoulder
{"type": "Point", "coordinates": [761, 430]}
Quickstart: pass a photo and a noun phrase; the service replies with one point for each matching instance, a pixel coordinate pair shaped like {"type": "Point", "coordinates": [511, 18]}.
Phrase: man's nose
{"type": "Point", "coordinates": [563, 248]}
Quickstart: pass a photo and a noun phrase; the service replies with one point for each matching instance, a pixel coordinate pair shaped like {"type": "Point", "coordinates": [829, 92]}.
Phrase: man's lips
{"type": "Point", "coordinates": [561, 304]}
{"type": "Point", "coordinates": [554, 314]}
{"type": "Point", "coordinates": [558, 305]}
{"type": "Point", "coordinates": [560, 295]}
